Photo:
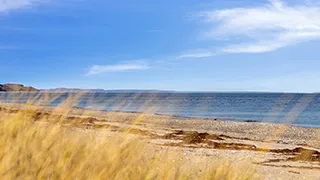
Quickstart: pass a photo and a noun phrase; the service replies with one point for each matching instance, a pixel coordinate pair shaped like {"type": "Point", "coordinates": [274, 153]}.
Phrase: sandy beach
{"type": "Point", "coordinates": [274, 151]}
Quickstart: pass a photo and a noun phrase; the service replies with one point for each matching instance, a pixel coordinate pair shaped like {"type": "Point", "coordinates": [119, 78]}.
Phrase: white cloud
{"type": "Point", "coordinates": [259, 47]}
{"type": "Point", "coordinates": [7, 5]}
{"type": "Point", "coordinates": [266, 28]}
{"type": "Point", "coordinates": [99, 69]}
{"type": "Point", "coordinates": [197, 54]}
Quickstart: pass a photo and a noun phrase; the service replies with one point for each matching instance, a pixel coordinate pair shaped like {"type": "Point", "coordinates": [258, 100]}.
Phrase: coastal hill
{"type": "Point", "coordinates": [21, 88]}
{"type": "Point", "coordinates": [76, 90]}
{"type": "Point", "coordinates": [16, 88]}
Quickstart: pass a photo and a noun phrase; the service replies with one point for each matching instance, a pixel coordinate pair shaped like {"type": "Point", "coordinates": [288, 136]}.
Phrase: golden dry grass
{"type": "Point", "coordinates": [42, 150]}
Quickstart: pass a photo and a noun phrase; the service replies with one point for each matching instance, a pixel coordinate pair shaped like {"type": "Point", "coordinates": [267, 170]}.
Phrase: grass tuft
{"type": "Point", "coordinates": [40, 150]}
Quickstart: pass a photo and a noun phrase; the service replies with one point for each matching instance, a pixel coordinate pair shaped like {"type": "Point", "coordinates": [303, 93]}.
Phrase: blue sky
{"type": "Point", "coordinates": [218, 45]}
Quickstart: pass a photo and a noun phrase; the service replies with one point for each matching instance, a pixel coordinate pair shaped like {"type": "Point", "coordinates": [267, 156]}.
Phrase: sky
{"type": "Point", "coordinates": [184, 45]}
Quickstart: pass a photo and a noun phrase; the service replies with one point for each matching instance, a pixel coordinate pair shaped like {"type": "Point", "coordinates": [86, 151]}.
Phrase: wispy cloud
{"type": "Point", "coordinates": [128, 66]}
{"type": "Point", "coordinates": [197, 54]}
{"type": "Point", "coordinates": [8, 5]}
{"type": "Point", "coordinates": [265, 28]}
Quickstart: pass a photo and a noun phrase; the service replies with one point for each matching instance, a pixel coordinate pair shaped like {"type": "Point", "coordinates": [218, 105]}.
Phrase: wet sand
{"type": "Point", "coordinates": [274, 151]}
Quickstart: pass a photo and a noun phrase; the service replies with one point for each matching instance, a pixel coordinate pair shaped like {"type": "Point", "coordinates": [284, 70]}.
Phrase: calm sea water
{"type": "Point", "coordinates": [298, 109]}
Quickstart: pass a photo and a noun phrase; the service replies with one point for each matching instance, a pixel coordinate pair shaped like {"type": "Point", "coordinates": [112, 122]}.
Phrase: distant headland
{"type": "Point", "coordinates": [16, 88]}
{"type": "Point", "coordinates": [11, 87]}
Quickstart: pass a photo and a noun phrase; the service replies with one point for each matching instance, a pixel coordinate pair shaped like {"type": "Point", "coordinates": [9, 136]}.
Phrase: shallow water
{"type": "Point", "coordinates": [298, 109]}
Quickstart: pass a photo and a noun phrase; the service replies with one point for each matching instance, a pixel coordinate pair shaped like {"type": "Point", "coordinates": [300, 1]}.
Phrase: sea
{"type": "Point", "coordinates": [283, 108]}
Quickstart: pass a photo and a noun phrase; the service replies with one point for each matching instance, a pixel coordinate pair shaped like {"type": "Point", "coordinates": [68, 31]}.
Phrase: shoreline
{"type": "Point", "coordinates": [186, 117]}
{"type": "Point", "coordinates": [279, 113]}
{"type": "Point", "coordinates": [205, 118]}
{"type": "Point", "coordinates": [262, 131]}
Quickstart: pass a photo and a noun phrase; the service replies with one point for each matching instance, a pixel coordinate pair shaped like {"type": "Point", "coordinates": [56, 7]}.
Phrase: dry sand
{"type": "Point", "coordinates": [274, 151]}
